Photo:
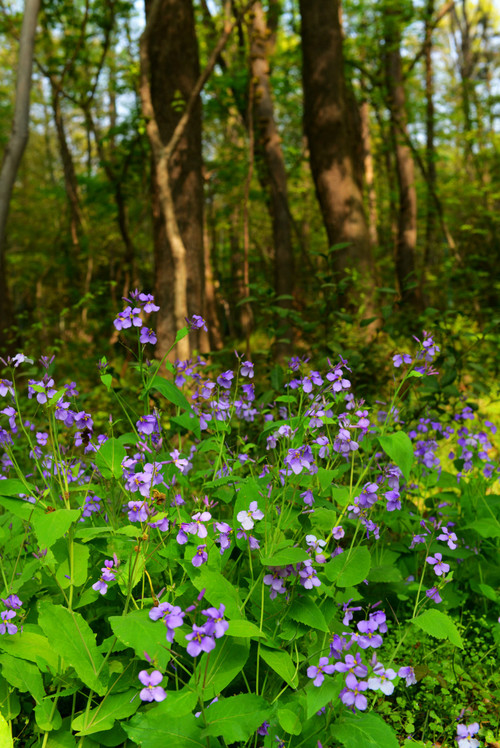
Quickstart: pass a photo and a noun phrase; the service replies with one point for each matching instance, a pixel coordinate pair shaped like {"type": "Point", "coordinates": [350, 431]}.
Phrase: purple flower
{"type": "Point", "coordinates": [408, 674]}
{"type": "Point", "coordinates": [148, 336]}
{"type": "Point", "coordinates": [12, 601]}
{"type": "Point", "coordinates": [352, 665]}
{"type": "Point", "coordinates": [433, 594]}
{"type": "Point", "coordinates": [440, 567]}
{"type": "Point", "coordinates": [123, 321]}
{"type": "Point", "coordinates": [224, 379]}
{"type": "Point", "coordinates": [147, 425]}
{"type": "Point", "coordinates": [246, 518]}
{"type": "Point", "coordinates": [196, 323]}
{"type": "Point", "coordinates": [318, 672]}
{"type": "Point", "coordinates": [200, 557]}
{"type": "Point", "coordinates": [448, 537]}
{"type": "Point", "coordinates": [137, 511]}
{"type": "Point", "coordinates": [152, 691]}
{"type": "Point", "coordinates": [247, 369]}
{"type": "Point", "coordinates": [298, 459]}
{"type": "Point", "coordinates": [196, 527]}
{"type": "Point", "coordinates": [308, 576]}
{"type": "Point", "coordinates": [200, 640]}
{"type": "Point", "coordinates": [401, 358]}
{"type": "Point", "coordinates": [338, 532]}
{"type": "Point", "coordinates": [171, 615]}
{"type": "Point", "coordinates": [368, 636]}
{"type": "Point", "coordinates": [216, 624]}
{"type": "Point", "coordinates": [263, 729]}
{"type": "Point", "coordinates": [382, 679]}
{"type": "Point", "coordinates": [353, 695]}
{"type": "Point", "coordinates": [465, 733]}
{"type": "Point", "coordinates": [5, 626]}
{"type": "Point", "coordinates": [148, 301]}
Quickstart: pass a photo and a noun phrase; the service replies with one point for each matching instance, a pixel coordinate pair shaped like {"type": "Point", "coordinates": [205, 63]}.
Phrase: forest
{"type": "Point", "coordinates": [250, 357]}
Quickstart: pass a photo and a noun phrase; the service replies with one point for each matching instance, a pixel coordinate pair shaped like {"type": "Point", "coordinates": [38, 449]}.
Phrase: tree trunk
{"type": "Point", "coordinates": [431, 255]}
{"type": "Point", "coordinates": [332, 131]}
{"type": "Point", "coordinates": [407, 217]}
{"type": "Point", "coordinates": [172, 48]}
{"type": "Point", "coordinates": [271, 167]}
{"type": "Point", "coordinates": [14, 152]}
{"type": "Point", "coordinates": [364, 111]}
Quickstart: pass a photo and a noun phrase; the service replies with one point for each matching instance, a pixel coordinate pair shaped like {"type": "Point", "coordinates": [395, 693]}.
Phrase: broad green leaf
{"type": "Point", "coordinates": [33, 647]}
{"type": "Point", "coordinates": [438, 624]}
{"type": "Point", "coordinates": [109, 458]}
{"type": "Point", "coordinates": [348, 570]}
{"type": "Point", "coordinates": [106, 379]}
{"type": "Point", "coordinates": [10, 706]}
{"type": "Point", "coordinates": [341, 494]}
{"type": "Point", "coordinates": [178, 703]}
{"type": "Point", "coordinates": [63, 739]}
{"type": "Point", "coordinates": [399, 448]}
{"type": "Point", "coordinates": [487, 528]}
{"type": "Point", "coordinates": [111, 708]}
{"type": "Point", "coordinates": [317, 698]}
{"type": "Point", "coordinates": [23, 675]}
{"type": "Point", "coordinates": [306, 611]}
{"type": "Point", "coordinates": [291, 722]}
{"type": "Point", "coordinates": [237, 717]}
{"type": "Point", "coordinates": [50, 526]}
{"type": "Point", "coordinates": [5, 733]}
{"type": "Point", "coordinates": [47, 718]}
{"type": "Point", "coordinates": [281, 662]}
{"type": "Point", "coordinates": [285, 556]}
{"type": "Point", "coordinates": [19, 507]}
{"type": "Point", "coordinates": [188, 421]}
{"type": "Point", "coordinates": [80, 566]}
{"type": "Point", "coordinates": [225, 663]}
{"type": "Point", "coordinates": [218, 590]}
{"type": "Point", "coordinates": [139, 632]}
{"type": "Point", "coordinates": [14, 486]}
{"type": "Point", "coordinates": [180, 335]}
{"type": "Point", "coordinates": [151, 730]}
{"type": "Point", "coordinates": [72, 638]}
{"type": "Point", "coordinates": [364, 731]}
{"type": "Point", "coordinates": [244, 629]}
{"type": "Point", "coordinates": [172, 393]}
{"type": "Point", "coordinates": [384, 574]}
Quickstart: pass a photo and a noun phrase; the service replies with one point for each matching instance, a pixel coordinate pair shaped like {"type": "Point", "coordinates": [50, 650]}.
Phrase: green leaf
{"type": "Point", "coordinates": [151, 730]}
{"type": "Point", "coordinates": [348, 570]}
{"type": "Point", "coordinates": [285, 556]}
{"type": "Point", "coordinates": [72, 638]}
{"type": "Point", "coordinates": [139, 632]}
{"type": "Point", "coordinates": [63, 739]}
{"type": "Point", "coordinates": [217, 588]}
{"type": "Point", "coordinates": [291, 722]}
{"type": "Point", "coordinates": [14, 486]}
{"type": "Point", "coordinates": [244, 629]}
{"type": "Point", "coordinates": [172, 393]}
{"type": "Point", "coordinates": [487, 528]}
{"type": "Point", "coordinates": [399, 448]}
{"type": "Point", "coordinates": [106, 379]}
{"type": "Point", "coordinates": [365, 731]}
{"type": "Point", "coordinates": [109, 458]}
{"type": "Point", "coordinates": [33, 647]}
{"type": "Point", "coordinates": [51, 526]}
{"type": "Point", "coordinates": [237, 717]}
{"type": "Point", "coordinates": [306, 611]}
{"type": "Point", "coordinates": [385, 574]}
{"type": "Point", "coordinates": [224, 664]}
{"type": "Point", "coordinates": [23, 676]}
{"type": "Point", "coordinates": [438, 624]}
{"type": "Point", "coordinates": [178, 703]}
{"type": "Point", "coordinates": [317, 698]}
{"type": "Point", "coordinates": [5, 733]}
{"type": "Point", "coordinates": [111, 708]}
{"type": "Point", "coordinates": [47, 718]}
{"type": "Point", "coordinates": [281, 662]}
{"type": "Point", "coordinates": [80, 565]}
{"type": "Point", "coordinates": [19, 507]}
{"type": "Point", "coordinates": [182, 333]}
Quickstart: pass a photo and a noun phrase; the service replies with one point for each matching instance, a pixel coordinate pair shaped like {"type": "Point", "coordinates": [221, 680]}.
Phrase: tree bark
{"type": "Point", "coordinates": [14, 151]}
{"type": "Point", "coordinates": [369, 172]}
{"type": "Point", "coordinates": [333, 135]}
{"type": "Point", "coordinates": [431, 256]}
{"type": "Point", "coordinates": [271, 167]}
{"type": "Point", "coordinates": [406, 243]}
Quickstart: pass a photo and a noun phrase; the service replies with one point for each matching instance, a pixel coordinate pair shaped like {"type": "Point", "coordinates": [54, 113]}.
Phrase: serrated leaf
{"type": "Point", "coordinates": [306, 611]}
{"type": "Point", "coordinates": [439, 625]}
{"type": "Point", "coordinates": [285, 556]}
{"type": "Point", "coordinates": [139, 632]}
{"type": "Point", "coordinates": [23, 675]}
{"type": "Point", "coordinates": [103, 717]}
{"type": "Point", "coordinates": [365, 731]}
{"type": "Point", "coordinates": [281, 662]}
{"type": "Point", "coordinates": [237, 717]}
{"type": "Point", "coordinates": [72, 638]}
{"type": "Point", "coordinates": [348, 570]}
{"type": "Point", "coordinates": [399, 448]}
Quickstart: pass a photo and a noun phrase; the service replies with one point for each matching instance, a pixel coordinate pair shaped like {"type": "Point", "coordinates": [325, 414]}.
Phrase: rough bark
{"type": "Point", "coordinates": [15, 149]}
{"type": "Point", "coordinates": [405, 170]}
{"type": "Point", "coordinates": [431, 257]}
{"type": "Point", "coordinates": [364, 111]}
{"type": "Point", "coordinates": [271, 165]}
{"type": "Point", "coordinates": [332, 131]}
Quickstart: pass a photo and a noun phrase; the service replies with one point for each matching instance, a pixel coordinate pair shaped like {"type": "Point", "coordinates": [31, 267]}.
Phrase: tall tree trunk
{"type": "Point", "coordinates": [431, 257]}
{"type": "Point", "coordinates": [364, 111]}
{"type": "Point", "coordinates": [14, 151]}
{"type": "Point", "coordinates": [407, 217]}
{"type": "Point", "coordinates": [271, 165]}
{"type": "Point", "coordinates": [332, 131]}
{"type": "Point", "coordinates": [172, 48]}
